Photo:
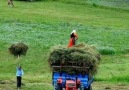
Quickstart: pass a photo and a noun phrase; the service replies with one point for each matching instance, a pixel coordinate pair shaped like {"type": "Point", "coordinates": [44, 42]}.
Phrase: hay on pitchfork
{"type": "Point", "coordinates": [18, 49]}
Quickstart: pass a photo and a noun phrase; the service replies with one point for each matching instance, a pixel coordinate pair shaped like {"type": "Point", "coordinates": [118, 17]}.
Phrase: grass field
{"type": "Point", "coordinates": [44, 24]}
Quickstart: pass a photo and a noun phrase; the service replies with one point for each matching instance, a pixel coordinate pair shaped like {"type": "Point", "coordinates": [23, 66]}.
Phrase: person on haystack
{"type": "Point", "coordinates": [19, 73]}
{"type": "Point", "coordinates": [73, 38]}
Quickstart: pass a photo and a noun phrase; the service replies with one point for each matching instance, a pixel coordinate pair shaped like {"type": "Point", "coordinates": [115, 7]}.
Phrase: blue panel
{"type": "Point", "coordinates": [56, 75]}
{"type": "Point", "coordinates": [64, 79]}
{"type": "Point", "coordinates": [63, 76]}
{"type": "Point", "coordinates": [71, 77]}
{"type": "Point", "coordinates": [83, 79]}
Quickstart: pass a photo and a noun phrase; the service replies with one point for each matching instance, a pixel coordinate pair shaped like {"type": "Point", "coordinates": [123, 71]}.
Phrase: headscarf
{"type": "Point", "coordinates": [74, 31]}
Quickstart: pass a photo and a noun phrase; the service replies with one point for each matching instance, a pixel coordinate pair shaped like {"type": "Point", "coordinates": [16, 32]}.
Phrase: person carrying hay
{"type": "Point", "coordinates": [10, 3]}
{"type": "Point", "coordinates": [19, 73]}
{"type": "Point", "coordinates": [73, 38]}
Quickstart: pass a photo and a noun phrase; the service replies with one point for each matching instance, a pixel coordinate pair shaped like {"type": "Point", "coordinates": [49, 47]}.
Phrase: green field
{"type": "Point", "coordinates": [44, 24]}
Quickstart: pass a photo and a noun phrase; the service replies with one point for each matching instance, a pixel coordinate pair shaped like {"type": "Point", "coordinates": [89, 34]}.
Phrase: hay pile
{"type": "Point", "coordinates": [81, 55]}
{"type": "Point", "coordinates": [18, 49]}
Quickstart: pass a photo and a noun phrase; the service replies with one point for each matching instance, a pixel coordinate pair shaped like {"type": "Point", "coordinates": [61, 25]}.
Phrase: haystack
{"type": "Point", "coordinates": [18, 49]}
{"type": "Point", "coordinates": [75, 60]}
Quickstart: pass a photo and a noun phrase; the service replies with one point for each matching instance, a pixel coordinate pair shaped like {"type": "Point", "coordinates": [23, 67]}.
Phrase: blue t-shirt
{"type": "Point", "coordinates": [19, 72]}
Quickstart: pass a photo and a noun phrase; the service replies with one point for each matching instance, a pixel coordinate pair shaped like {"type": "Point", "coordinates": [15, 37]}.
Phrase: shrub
{"type": "Point", "coordinates": [107, 50]}
{"type": "Point", "coordinates": [94, 5]}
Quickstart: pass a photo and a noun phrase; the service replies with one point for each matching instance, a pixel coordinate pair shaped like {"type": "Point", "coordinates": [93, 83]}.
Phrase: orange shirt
{"type": "Point", "coordinates": [72, 40]}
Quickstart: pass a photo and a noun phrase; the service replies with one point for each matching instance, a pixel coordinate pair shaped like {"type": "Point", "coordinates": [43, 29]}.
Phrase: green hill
{"type": "Point", "coordinates": [44, 24]}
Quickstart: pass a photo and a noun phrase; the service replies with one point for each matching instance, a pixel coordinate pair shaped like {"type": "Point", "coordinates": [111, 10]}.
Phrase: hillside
{"type": "Point", "coordinates": [44, 24]}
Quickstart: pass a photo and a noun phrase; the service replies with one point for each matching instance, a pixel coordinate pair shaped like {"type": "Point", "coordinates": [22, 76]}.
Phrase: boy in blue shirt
{"type": "Point", "coordinates": [19, 73]}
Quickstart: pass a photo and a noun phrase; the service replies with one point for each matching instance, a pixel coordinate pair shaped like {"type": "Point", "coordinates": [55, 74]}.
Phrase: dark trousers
{"type": "Point", "coordinates": [19, 81]}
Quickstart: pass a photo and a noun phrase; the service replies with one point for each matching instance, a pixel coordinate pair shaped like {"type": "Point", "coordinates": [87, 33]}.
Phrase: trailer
{"type": "Point", "coordinates": [77, 81]}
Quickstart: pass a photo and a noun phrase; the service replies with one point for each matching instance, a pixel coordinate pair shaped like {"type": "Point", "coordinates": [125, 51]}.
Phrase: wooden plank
{"type": "Point", "coordinates": [70, 67]}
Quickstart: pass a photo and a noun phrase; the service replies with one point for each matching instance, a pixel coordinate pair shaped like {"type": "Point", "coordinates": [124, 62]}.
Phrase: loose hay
{"type": "Point", "coordinates": [18, 49]}
{"type": "Point", "coordinates": [71, 59]}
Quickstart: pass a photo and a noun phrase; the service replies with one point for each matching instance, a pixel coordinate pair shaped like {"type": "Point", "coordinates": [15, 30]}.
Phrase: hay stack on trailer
{"type": "Point", "coordinates": [75, 59]}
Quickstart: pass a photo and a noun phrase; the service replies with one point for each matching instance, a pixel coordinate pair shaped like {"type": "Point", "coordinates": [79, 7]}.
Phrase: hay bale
{"type": "Point", "coordinates": [80, 56]}
{"type": "Point", "coordinates": [18, 49]}
{"type": "Point", "coordinates": [89, 48]}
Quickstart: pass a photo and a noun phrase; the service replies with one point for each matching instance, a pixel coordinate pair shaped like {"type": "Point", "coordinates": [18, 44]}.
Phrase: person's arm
{"type": "Point", "coordinates": [22, 72]}
{"type": "Point", "coordinates": [76, 36]}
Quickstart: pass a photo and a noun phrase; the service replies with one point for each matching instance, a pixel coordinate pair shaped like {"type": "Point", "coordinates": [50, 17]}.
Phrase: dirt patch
{"type": "Point", "coordinates": [109, 86]}
{"type": "Point", "coordinates": [6, 82]}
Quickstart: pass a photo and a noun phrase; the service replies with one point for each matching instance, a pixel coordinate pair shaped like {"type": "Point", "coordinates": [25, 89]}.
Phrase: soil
{"type": "Point", "coordinates": [109, 86]}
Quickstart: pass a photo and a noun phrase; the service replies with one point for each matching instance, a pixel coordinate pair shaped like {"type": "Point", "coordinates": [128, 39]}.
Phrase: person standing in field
{"type": "Point", "coordinates": [19, 73]}
{"type": "Point", "coordinates": [73, 38]}
{"type": "Point", "coordinates": [10, 3]}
